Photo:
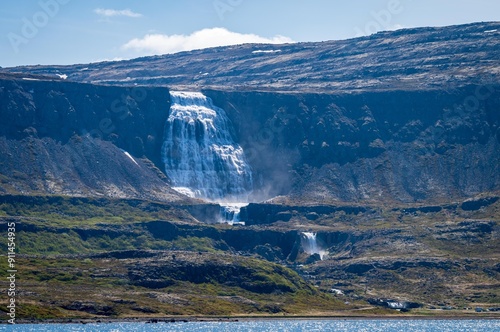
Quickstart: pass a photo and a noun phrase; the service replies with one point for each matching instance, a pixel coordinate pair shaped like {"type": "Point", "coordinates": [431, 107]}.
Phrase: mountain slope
{"type": "Point", "coordinates": [415, 59]}
{"type": "Point", "coordinates": [384, 149]}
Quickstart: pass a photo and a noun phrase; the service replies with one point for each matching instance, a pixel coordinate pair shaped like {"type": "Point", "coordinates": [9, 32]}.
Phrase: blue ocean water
{"type": "Point", "coordinates": [358, 325]}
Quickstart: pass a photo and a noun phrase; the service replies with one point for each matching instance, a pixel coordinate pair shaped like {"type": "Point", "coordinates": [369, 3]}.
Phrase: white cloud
{"type": "Point", "coordinates": [114, 12]}
{"type": "Point", "coordinates": [396, 27]}
{"type": "Point", "coordinates": [163, 44]}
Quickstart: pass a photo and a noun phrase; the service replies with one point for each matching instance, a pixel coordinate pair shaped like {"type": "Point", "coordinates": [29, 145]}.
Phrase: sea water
{"type": "Point", "coordinates": [337, 325]}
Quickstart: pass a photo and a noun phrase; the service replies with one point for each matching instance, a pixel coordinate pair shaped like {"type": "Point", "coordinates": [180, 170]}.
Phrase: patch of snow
{"type": "Point", "coordinates": [131, 158]}
{"type": "Point", "coordinates": [109, 60]}
{"type": "Point", "coordinates": [265, 51]}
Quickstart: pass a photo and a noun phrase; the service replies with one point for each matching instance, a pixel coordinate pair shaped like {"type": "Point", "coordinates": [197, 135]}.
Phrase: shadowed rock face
{"type": "Point", "coordinates": [399, 146]}
{"type": "Point", "coordinates": [82, 140]}
{"type": "Point", "coordinates": [393, 145]}
{"type": "Point", "coordinates": [133, 119]}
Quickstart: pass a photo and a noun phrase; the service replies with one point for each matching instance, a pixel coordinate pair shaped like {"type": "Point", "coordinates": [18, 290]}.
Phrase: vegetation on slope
{"type": "Point", "coordinates": [130, 258]}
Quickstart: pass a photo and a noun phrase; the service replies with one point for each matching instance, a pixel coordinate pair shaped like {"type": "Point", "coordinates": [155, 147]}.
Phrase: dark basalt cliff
{"type": "Point", "coordinates": [408, 146]}
{"type": "Point", "coordinates": [393, 145]}
{"type": "Point", "coordinates": [71, 138]}
{"type": "Point", "coordinates": [407, 116]}
{"type": "Point", "coordinates": [133, 118]}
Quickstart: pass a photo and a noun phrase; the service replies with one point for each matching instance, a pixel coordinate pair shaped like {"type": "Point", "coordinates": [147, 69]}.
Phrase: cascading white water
{"type": "Point", "coordinates": [230, 213]}
{"type": "Point", "coordinates": [200, 154]}
{"type": "Point", "coordinates": [310, 244]}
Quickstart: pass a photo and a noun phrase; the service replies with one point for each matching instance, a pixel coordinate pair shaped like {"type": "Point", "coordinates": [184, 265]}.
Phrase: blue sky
{"type": "Point", "coordinates": [82, 31]}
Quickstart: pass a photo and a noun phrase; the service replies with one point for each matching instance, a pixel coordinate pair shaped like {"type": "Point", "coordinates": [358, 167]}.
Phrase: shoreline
{"type": "Point", "coordinates": [234, 319]}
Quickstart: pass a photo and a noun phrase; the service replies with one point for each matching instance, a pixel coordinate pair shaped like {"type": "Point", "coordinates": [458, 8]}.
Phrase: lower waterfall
{"type": "Point", "coordinates": [200, 154]}
{"type": "Point", "coordinates": [230, 213]}
{"type": "Point", "coordinates": [310, 244]}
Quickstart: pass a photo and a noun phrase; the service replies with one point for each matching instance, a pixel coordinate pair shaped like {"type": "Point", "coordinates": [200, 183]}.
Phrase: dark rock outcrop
{"type": "Point", "coordinates": [263, 213]}
{"type": "Point", "coordinates": [267, 243]}
{"type": "Point", "coordinates": [90, 307]}
{"type": "Point", "coordinates": [476, 204]}
{"type": "Point", "coordinates": [395, 304]}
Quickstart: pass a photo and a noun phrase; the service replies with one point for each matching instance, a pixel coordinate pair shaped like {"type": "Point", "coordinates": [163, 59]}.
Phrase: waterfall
{"type": "Point", "coordinates": [230, 213]}
{"type": "Point", "coordinates": [200, 154]}
{"type": "Point", "coordinates": [310, 244]}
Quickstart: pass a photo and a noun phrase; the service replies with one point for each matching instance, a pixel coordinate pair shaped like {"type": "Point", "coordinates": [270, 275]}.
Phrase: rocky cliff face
{"type": "Point", "coordinates": [80, 139]}
{"type": "Point", "coordinates": [404, 116]}
{"type": "Point", "coordinates": [399, 145]}
{"type": "Point", "coordinates": [404, 146]}
{"type": "Point", "coordinates": [131, 118]}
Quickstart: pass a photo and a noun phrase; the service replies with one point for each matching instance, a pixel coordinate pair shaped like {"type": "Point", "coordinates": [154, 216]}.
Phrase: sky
{"type": "Point", "coordinates": [83, 31]}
